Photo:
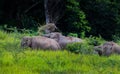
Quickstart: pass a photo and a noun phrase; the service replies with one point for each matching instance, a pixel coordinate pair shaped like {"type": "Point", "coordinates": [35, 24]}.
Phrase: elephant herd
{"type": "Point", "coordinates": [53, 41]}
{"type": "Point", "coordinates": [56, 41]}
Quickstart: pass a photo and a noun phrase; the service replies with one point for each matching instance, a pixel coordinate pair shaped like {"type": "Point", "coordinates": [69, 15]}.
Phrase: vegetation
{"type": "Point", "coordinates": [95, 21]}
{"type": "Point", "coordinates": [74, 18]}
{"type": "Point", "coordinates": [102, 16]}
{"type": "Point", "coordinates": [91, 17]}
{"type": "Point", "coordinates": [15, 60]}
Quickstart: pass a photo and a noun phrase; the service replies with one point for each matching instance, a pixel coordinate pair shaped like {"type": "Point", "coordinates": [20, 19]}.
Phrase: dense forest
{"type": "Point", "coordinates": [82, 17]}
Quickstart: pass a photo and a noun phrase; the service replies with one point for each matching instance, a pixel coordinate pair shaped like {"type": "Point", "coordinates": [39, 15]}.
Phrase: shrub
{"type": "Point", "coordinates": [94, 40]}
{"type": "Point", "coordinates": [86, 47]}
{"type": "Point", "coordinates": [82, 48]}
{"type": "Point", "coordinates": [116, 38]}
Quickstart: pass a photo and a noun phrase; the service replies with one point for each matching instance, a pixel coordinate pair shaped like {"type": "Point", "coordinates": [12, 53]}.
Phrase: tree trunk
{"type": "Point", "coordinates": [47, 16]}
{"type": "Point", "coordinates": [53, 10]}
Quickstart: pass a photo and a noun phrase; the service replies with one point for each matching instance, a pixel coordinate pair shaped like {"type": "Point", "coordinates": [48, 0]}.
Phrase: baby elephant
{"type": "Point", "coordinates": [39, 42]}
{"type": "Point", "coordinates": [107, 48]}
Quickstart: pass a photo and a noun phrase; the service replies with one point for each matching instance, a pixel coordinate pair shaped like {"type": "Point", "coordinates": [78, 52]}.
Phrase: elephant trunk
{"type": "Point", "coordinates": [99, 52]}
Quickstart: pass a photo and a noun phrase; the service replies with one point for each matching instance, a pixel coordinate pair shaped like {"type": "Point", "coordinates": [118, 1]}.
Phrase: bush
{"type": "Point", "coordinates": [116, 38]}
{"type": "Point", "coordinates": [86, 47]}
{"type": "Point", "coordinates": [94, 40]}
{"type": "Point", "coordinates": [82, 48]}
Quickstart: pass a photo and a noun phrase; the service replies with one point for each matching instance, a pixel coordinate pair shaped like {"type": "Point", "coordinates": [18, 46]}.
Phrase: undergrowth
{"type": "Point", "coordinates": [15, 60]}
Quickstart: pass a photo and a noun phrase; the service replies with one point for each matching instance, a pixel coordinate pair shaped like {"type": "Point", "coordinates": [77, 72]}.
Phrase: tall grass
{"type": "Point", "coordinates": [15, 60]}
{"type": "Point", "coordinates": [57, 62]}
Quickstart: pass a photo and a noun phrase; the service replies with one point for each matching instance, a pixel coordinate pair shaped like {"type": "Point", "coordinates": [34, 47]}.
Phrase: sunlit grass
{"type": "Point", "coordinates": [59, 62]}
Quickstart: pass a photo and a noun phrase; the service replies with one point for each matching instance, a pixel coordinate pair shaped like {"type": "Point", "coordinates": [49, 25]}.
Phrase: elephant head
{"type": "Point", "coordinates": [26, 41]}
{"type": "Point", "coordinates": [106, 49]}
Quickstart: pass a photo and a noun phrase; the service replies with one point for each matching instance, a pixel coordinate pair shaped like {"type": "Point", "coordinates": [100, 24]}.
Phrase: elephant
{"type": "Point", "coordinates": [62, 40]}
{"type": "Point", "coordinates": [48, 28]}
{"type": "Point", "coordinates": [39, 42]}
{"type": "Point", "coordinates": [108, 48]}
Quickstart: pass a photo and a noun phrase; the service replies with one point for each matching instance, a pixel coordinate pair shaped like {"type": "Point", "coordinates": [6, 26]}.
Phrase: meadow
{"type": "Point", "coordinates": [16, 60]}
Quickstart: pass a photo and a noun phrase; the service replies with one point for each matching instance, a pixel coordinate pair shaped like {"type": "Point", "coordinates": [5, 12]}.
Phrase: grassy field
{"type": "Point", "coordinates": [15, 60]}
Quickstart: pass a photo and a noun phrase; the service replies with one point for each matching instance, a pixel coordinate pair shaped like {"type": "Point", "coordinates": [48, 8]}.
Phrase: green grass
{"type": "Point", "coordinates": [15, 60]}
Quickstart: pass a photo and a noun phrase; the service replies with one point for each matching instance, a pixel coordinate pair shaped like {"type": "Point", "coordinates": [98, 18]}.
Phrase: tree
{"type": "Point", "coordinates": [53, 10]}
{"type": "Point", "coordinates": [101, 15]}
{"type": "Point", "coordinates": [16, 13]}
{"type": "Point", "coordinates": [74, 19]}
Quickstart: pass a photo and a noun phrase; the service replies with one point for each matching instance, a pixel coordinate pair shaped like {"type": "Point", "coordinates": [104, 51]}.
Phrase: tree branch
{"type": "Point", "coordinates": [31, 7]}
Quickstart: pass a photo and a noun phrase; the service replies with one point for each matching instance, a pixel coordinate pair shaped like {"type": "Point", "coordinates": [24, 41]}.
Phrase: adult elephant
{"type": "Point", "coordinates": [107, 48]}
{"type": "Point", "coordinates": [62, 40]}
{"type": "Point", "coordinates": [39, 42]}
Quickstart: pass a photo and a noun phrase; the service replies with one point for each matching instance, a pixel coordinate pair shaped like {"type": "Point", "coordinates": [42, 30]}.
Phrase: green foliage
{"type": "Point", "coordinates": [35, 62]}
{"type": "Point", "coordinates": [74, 19]}
{"type": "Point", "coordinates": [7, 58]}
{"type": "Point", "coordinates": [84, 17]}
{"type": "Point", "coordinates": [11, 41]}
{"type": "Point", "coordinates": [82, 35]}
{"type": "Point", "coordinates": [116, 38]}
{"type": "Point", "coordinates": [15, 60]}
{"type": "Point", "coordinates": [86, 47]}
{"type": "Point", "coordinates": [82, 48]}
{"type": "Point", "coordinates": [95, 40]}
{"type": "Point", "coordinates": [28, 22]}
{"type": "Point", "coordinates": [102, 16]}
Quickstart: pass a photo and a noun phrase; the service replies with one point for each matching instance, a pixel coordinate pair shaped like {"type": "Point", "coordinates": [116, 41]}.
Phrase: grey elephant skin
{"type": "Point", "coordinates": [107, 48]}
{"type": "Point", "coordinates": [39, 42]}
{"type": "Point", "coordinates": [62, 40]}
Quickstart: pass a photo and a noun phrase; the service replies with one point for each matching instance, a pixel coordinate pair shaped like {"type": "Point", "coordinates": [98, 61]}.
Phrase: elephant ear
{"type": "Point", "coordinates": [29, 42]}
